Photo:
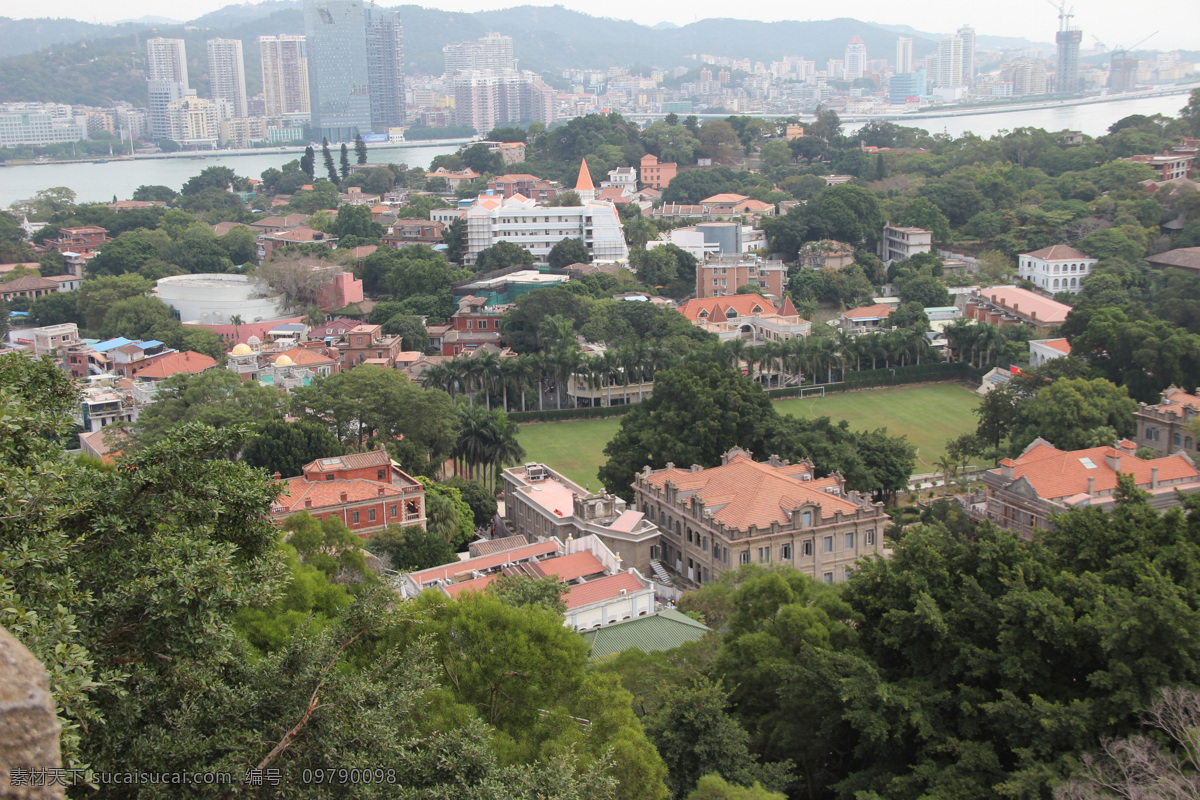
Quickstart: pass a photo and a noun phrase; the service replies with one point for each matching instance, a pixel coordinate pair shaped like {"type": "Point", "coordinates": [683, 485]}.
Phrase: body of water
{"type": "Point", "coordinates": [1093, 119]}
{"type": "Point", "coordinates": [95, 183]}
{"type": "Point", "coordinates": [99, 182]}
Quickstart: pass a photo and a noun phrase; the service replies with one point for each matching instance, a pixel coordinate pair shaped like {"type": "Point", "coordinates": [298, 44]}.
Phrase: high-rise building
{"type": "Point", "coordinates": [166, 60]}
{"type": "Point", "coordinates": [966, 35]}
{"type": "Point", "coordinates": [227, 73]}
{"type": "Point", "coordinates": [485, 99]}
{"type": "Point", "coordinates": [950, 62]}
{"type": "Point", "coordinates": [193, 122]}
{"type": "Point", "coordinates": [494, 52]}
{"type": "Point", "coordinates": [856, 59]}
{"type": "Point", "coordinates": [905, 85]}
{"type": "Point", "coordinates": [285, 75]}
{"type": "Point", "coordinates": [1067, 78]}
{"type": "Point", "coordinates": [335, 34]}
{"type": "Point", "coordinates": [904, 61]}
{"type": "Point", "coordinates": [385, 67]}
{"type": "Point", "coordinates": [166, 81]}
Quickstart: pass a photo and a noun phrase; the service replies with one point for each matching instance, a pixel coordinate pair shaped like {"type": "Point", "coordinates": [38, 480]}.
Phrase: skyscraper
{"type": "Point", "coordinates": [166, 81]}
{"type": "Point", "coordinates": [950, 62]}
{"type": "Point", "coordinates": [1067, 79]}
{"type": "Point", "coordinates": [338, 79]}
{"type": "Point", "coordinates": [166, 60]}
{"type": "Point", "coordinates": [385, 65]}
{"type": "Point", "coordinates": [967, 35]}
{"type": "Point", "coordinates": [494, 51]}
{"type": "Point", "coordinates": [227, 72]}
{"type": "Point", "coordinates": [856, 58]}
{"type": "Point", "coordinates": [904, 63]}
{"type": "Point", "coordinates": [285, 75]}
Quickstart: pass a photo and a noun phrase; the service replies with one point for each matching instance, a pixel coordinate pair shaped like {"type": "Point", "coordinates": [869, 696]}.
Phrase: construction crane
{"type": "Point", "coordinates": [1064, 14]}
{"type": "Point", "coordinates": [1122, 69]}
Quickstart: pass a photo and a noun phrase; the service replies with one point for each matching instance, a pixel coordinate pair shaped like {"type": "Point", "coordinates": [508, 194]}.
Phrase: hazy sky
{"type": "Point", "coordinates": [1115, 22]}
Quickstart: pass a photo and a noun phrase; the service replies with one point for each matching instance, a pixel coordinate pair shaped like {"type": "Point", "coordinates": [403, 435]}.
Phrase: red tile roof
{"type": "Point", "coordinates": [372, 458]}
{"type": "Point", "coordinates": [28, 282]}
{"type": "Point", "coordinates": [1056, 474]}
{"type": "Point", "coordinates": [174, 363]}
{"type": "Point", "coordinates": [473, 585]}
{"type": "Point", "coordinates": [576, 565]}
{"type": "Point", "coordinates": [743, 304]}
{"type": "Point", "coordinates": [1059, 252]}
{"type": "Point", "coordinates": [877, 311]}
{"type": "Point", "coordinates": [448, 572]}
{"type": "Point", "coordinates": [1024, 303]}
{"type": "Point", "coordinates": [602, 589]}
{"type": "Point", "coordinates": [745, 492]}
{"type": "Point", "coordinates": [1175, 400]}
{"type": "Point", "coordinates": [1061, 345]}
{"type": "Point", "coordinates": [723, 199]}
{"type": "Point", "coordinates": [328, 494]}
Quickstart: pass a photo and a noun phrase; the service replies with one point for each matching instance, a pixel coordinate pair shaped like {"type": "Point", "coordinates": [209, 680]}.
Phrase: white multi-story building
{"type": "Point", "coordinates": [39, 123]}
{"type": "Point", "coordinates": [193, 122]}
{"type": "Point", "coordinates": [536, 228]}
{"type": "Point", "coordinates": [856, 59]}
{"type": "Point", "coordinates": [166, 81]}
{"type": "Point", "coordinates": [898, 242]}
{"type": "Point", "coordinates": [904, 59]}
{"type": "Point", "coordinates": [285, 75]}
{"type": "Point", "coordinates": [1059, 268]}
{"type": "Point", "coordinates": [227, 73]}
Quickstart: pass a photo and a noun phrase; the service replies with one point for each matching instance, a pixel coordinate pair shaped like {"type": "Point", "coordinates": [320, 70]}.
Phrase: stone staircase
{"type": "Point", "coordinates": [660, 572]}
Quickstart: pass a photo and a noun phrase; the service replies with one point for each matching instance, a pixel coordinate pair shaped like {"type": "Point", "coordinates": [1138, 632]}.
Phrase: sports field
{"type": "Point", "coordinates": [928, 415]}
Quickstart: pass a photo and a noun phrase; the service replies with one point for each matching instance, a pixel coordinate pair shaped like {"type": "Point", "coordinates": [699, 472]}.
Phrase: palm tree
{"type": "Point", "coordinates": [487, 374]}
{"type": "Point", "coordinates": [476, 434]}
{"type": "Point", "coordinates": [734, 352]}
{"type": "Point", "coordinates": [949, 468]}
{"type": "Point", "coordinates": [505, 448]}
{"type": "Point", "coordinates": [236, 321]}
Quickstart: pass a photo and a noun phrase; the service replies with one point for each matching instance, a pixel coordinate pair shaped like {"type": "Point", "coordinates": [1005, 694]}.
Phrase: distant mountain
{"type": "Point", "coordinates": [150, 19]}
{"type": "Point", "coordinates": [20, 36]}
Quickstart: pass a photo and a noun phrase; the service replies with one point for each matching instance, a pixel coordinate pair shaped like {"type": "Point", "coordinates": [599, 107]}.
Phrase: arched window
{"type": "Point", "coordinates": [1072, 283]}
{"type": "Point", "coordinates": [1187, 443]}
{"type": "Point", "coordinates": [1177, 440]}
{"type": "Point", "coordinates": [806, 519]}
{"type": "Point", "coordinates": [1056, 283]}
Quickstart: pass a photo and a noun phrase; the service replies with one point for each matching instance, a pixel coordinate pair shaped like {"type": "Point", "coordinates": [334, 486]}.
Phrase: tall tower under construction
{"type": "Point", "coordinates": [1068, 38]}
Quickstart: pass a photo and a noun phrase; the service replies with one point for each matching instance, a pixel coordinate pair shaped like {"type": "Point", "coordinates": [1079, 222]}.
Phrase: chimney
{"type": "Point", "coordinates": [379, 492]}
{"type": "Point", "coordinates": [1008, 469]}
{"type": "Point", "coordinates": [1033, 315]}
{"type": "Point", "coordinates": [1113, 460]}
{"type": "Point", "coordinates": [1016, 306]}
{"type": "Point", "coordinates": [308, 502]}
{"type": "Point", "coordinates": [1091, 485]}
{"type": "Point", "coordinates": [277, 476]}
{"type": "Point", "coordinates": [345, 497]}
{"type": "Point", "coordinates": [1154, 477]}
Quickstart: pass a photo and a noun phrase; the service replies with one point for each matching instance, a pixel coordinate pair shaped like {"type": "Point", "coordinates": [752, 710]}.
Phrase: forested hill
{"type": "Point", "coordinates": [73, 62]}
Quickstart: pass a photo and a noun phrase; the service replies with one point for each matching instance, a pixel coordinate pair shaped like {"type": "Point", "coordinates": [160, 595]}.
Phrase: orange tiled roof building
{"type": "Point", "coordinates": [1023, 493]}
{"type": "Point", "coordinates": [750, 512]}
{"type": "Point", "coordinates": [366, 490]}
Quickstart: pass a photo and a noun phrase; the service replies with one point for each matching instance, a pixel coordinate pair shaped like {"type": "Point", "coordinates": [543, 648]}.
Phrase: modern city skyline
{"type": "Point", "coordinates": [385, 66]}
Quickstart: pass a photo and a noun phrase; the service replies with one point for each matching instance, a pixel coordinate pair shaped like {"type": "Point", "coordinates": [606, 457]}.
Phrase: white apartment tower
{"type": "Point", "coordinates": [285, 75]}
{"type": "Point", "coordinates": [227, 72]}
{"type": "Point", "coordinates": [856, 59]}
{"type": "Point", "coordinates": [536, 228]}
{"type": "Point", "coordinates": [967, 35]}
{"type": "Point", "coordinates": [904, 60]}
{"type": "Point", "coordinates": [166, 60]}
{"type": "Point", "coordinates": [166, 81]}
{"type": "Point", "coordinates": [950, 62]}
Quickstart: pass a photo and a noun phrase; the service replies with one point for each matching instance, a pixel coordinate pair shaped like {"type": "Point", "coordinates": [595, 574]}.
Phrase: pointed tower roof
{"type": "Point", "coordinates": [788, 309]}
{"type": "Point", "coordinates": [584, 182]}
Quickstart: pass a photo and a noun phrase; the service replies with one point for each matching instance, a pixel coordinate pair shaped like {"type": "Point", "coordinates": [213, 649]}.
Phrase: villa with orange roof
{"type": "Point", "coordinates": [521, 183]}
{"type": "Point", "coordinates": [366, 490]}
{"type": "Point", "coordinates": [725, 204]}
{"type": "Point", "coordinates": [1165, 427]}
{"type": "Point", "coordinates": [866, 318]}
{"type": "Point", "coordinates": [1023, 493]}
{"type": "Point", "coordinates": [751, 512]}
{"type": "Point", "coordinates": [723, 274]}
{"type": "Point", "coordinates": [453, 178]}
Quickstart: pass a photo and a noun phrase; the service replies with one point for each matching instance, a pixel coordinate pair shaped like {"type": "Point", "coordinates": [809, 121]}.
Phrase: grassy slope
{"type": "Point", "coordinates": [927, 415]}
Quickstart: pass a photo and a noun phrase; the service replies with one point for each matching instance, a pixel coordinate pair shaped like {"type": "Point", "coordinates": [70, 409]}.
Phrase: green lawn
{"type": "Point", "coordinates": [928, 415]}
{"type": "Point", "coordinates": [576, 449]}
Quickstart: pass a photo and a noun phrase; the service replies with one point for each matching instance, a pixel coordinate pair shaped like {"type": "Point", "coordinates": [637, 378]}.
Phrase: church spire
{"type": "Point", "coordinates": [583, 184]}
